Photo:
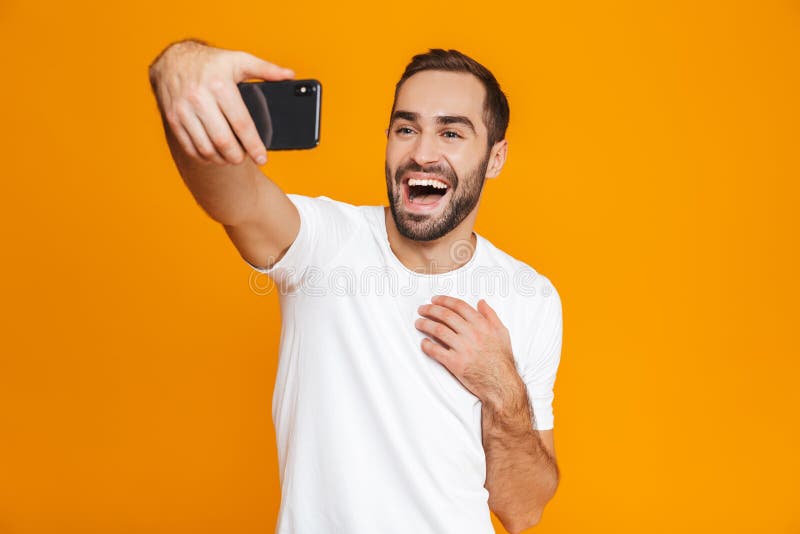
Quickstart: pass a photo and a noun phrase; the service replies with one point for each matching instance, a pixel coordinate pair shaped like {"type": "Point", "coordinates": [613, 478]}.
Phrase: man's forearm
{"type": "Point", "coordinates": [227, 193]}
{"type": "Point", "coordinates": [521, 476]}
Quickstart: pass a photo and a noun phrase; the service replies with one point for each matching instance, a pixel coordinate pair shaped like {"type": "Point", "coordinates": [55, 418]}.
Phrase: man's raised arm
{"type": "Point", "coordinates": [215, 144]}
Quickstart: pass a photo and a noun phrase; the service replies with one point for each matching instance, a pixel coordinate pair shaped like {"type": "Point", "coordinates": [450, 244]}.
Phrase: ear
{"type": "Point", "coordinates": [497, 158]}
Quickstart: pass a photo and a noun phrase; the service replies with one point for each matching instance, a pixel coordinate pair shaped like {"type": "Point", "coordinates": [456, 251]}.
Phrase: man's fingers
{"type": "Point", "coordinates": [219, 131]}
{"type": "Point", "coordinates": [437, 352]}
{"type": "Point", "coordinates": [438, 331]}
{"type": "Point", "coordinates": [459, 306]}
{"type": "Point", "coordinates": [185, 140]}
{"type": "Point", "coordinates": [488, 312]}
{"type": "Point", "coordinates": [173, 124]}
{"type": "Point", "coordinates": [199, 136]}
{"type": "Point", "coordinates": [251, 66]}
{"type": "Point", "coordinates": [231, 103]}
{"type": "Point", "coordinates": [446, 316]}
{"type": "Point", "coordinates": [196, 87]}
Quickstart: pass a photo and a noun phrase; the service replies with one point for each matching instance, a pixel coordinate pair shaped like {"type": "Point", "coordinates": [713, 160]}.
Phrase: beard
{"type": "Point", "coordinates": [463, 198]}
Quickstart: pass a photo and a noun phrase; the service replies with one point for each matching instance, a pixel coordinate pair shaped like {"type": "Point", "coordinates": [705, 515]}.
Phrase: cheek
{"type": "Point", "coordinates": [460, 162]}
{"type": "Point", "coordinates": [395, 157]}
{"type": "Point", "coordinates": [394, 153]}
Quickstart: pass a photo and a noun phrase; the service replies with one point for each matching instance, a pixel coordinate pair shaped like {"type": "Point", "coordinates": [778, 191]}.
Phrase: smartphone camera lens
{"type": "Point", "coordinates": [304, 89]}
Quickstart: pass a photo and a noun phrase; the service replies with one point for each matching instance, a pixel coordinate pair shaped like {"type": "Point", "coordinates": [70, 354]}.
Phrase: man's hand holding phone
{"type": "Point", "coordinates": [195, 86]}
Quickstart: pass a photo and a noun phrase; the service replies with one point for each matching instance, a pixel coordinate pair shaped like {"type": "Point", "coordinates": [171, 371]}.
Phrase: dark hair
{"type": "Point", "coordinates": [495, 104]}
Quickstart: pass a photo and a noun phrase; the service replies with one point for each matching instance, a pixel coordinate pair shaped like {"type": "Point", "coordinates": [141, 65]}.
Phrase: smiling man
{"type": "Point", "coordinates": [417, 360]}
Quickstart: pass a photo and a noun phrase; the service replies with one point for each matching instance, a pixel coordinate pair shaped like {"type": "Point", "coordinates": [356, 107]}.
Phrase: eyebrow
{"type": "Point", "coordinates": [440, 119]}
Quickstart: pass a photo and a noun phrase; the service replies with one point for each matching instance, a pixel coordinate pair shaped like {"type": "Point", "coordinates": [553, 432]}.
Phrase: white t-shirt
{"type": "Point", "coordinates": [374, 435]}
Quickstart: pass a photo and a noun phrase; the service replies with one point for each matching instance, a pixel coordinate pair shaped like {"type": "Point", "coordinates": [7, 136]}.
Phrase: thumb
{"type": "Point", "coordinates": [254, 67]}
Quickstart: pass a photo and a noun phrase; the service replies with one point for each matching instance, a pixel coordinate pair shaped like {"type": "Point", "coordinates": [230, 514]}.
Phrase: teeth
{"type": "Point", "coordinates": [435, 183]}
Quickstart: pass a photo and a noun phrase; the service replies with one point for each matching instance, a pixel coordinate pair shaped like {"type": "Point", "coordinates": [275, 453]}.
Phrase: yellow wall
{"type": "Point", "coordinates": [653, 176]}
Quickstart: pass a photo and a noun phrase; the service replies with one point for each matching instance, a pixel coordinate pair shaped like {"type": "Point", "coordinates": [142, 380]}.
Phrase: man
{"type": "Point", "coordinates": [404, 402]}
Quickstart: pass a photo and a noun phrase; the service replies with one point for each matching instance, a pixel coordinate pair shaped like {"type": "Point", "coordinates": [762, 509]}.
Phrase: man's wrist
{"type": "Point", "coordinates": [153, 68]}
{"type": "Point", "coordinates": [509, 408]}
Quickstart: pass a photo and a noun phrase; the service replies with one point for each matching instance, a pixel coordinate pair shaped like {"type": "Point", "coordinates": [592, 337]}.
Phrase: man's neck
{"type": "Point", "coordinates": [447, 253]}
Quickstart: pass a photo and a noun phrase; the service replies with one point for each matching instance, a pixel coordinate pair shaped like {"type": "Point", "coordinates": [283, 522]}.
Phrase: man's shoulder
{"type": "Point", "coordinates": [331, 210]}
{"type": "Point", "coordinates": [526, 281]}
{"type": "Point", "coordinates": [323, 199]}
{"type": "Point", "coordinates": [494, 256]}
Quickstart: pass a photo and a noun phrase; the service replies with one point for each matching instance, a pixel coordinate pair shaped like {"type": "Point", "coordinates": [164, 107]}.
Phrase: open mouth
{"type": "Point", "coordinates": [424, 192]}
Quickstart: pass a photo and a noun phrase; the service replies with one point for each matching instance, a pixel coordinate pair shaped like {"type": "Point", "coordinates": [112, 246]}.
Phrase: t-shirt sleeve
{"type": "Point", "coordinates": [325, 225]}
{"type": "Point", "coordinates": [543, 356]}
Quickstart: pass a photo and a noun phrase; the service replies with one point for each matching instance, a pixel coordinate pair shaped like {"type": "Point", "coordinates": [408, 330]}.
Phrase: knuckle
{"type": "Point", "coordinates": [200, 156]}
{"type": "Point", "coordinates": [183, 108]}
{"type": "Point", "coordinates": [235, 157]}
{"type": "Point", "coordinates": [189, 148]}
{"type": "Point", "coordinates": [194, 96]}
{"type": "Point", "coordinates": [222, 142]}
{"type": "Point", "coordinates": [207, 151]}
{"type": "Point", "coordinates": [217, 86]}
{"type": "Point", "coordinates": [172, 118]}
{"type": "Point", "coordinates": [237, 59]}
{"type": "Point", "coordinates": [246, 126]}
{"type": "Point", "coordinates": [240, 124]}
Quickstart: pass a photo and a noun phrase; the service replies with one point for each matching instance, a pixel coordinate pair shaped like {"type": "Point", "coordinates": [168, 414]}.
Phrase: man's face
{"type": "Point", "coordinates": [437, 133]}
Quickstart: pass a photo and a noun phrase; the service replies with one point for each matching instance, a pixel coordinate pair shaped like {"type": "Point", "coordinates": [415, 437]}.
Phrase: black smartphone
{"type": "Point", "coordinates": [286, 113]}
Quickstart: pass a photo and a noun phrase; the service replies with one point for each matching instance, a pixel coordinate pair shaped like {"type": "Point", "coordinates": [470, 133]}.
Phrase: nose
{"type": "Point", "coordinates": [425, 150]}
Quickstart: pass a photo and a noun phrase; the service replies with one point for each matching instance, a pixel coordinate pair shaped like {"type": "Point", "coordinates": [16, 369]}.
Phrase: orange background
{"type": "Point", "coordinates": [652, 175]}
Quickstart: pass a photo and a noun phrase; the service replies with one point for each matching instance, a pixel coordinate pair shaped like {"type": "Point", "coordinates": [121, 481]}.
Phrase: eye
{"type": "Point", "coordinates": [404, 130]}
{"type": "Point", "coordinates": [450, 134]}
